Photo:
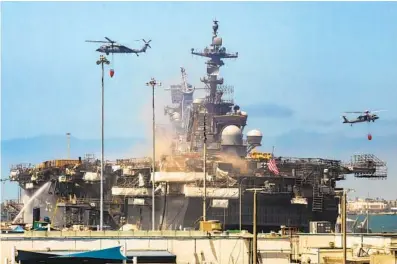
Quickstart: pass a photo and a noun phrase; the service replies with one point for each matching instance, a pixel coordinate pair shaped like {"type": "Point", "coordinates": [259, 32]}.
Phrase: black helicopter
{"type": "Point", "coordinates": [366, 116]}
{"type": "Point", "coordinates": [114, 47]}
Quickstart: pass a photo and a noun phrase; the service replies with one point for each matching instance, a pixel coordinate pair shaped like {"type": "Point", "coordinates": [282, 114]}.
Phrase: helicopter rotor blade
{"type": "Point", "coordinates": [111, 41]}
{"type": "Point", "coordinates": [377, 111]}
{"type": "Point", "coordinates": [97, 41]}
{"type": "Point", "coordinates": [364, 112]}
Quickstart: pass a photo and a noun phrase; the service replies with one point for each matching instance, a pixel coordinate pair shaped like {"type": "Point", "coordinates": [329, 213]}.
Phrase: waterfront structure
{"type": "Point", "coordinates": [364, 205]}
{"type": "Point", "coordinates": [198, 247]}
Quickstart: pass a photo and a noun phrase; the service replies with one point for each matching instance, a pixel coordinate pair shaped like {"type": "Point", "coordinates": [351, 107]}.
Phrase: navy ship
{"type": "Point", "coordinates": [207, 150]}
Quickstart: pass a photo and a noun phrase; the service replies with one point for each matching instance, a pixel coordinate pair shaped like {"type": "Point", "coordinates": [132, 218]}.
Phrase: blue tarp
{"type": "Point", "coordinates": [18, 229]}
{"type": "Point", "coordinates": [24, 255]}
{"type": "Point", "coordinates": [113, 253]}
{"type": "Point", "coordinates": [102, 254]}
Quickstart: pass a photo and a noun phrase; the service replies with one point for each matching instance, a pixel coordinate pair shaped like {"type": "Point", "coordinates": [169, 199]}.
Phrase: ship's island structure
{"type": "Point", "coordinates": [294, 190]}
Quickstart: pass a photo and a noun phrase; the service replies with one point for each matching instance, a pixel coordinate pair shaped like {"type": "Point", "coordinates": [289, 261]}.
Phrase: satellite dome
{"type": "Point", "coordinates": [244, 113]}
{"type": "Point", "coordinates": [254, 137]}
{"type": "Point", "coordinates": [231, 135]}
{"type": "Point", "coordinates": [255, 133]}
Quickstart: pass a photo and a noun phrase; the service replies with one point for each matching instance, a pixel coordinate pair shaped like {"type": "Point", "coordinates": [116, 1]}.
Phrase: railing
{"type": "Point", "coordinates": [82, 201]}
{"type": "Point", "coordinates": [22, 166]}
{"type": "Point", "coordinates": [138, 233]}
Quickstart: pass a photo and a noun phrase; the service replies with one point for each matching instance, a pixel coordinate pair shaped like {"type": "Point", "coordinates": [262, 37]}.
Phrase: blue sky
{"type": "Point", "coordinates": [300, 64]}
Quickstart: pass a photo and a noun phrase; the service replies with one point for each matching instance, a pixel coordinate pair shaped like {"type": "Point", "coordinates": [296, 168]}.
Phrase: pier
{"type": "Point", "coordinates": [196, 247]}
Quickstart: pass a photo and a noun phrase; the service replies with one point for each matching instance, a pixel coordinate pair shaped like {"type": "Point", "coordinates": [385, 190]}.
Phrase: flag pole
{"type": "Point", "coordinates": [272, 166]}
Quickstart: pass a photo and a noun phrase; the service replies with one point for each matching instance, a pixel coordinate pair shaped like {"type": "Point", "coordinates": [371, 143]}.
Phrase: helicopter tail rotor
{"type": "Point", "coordinates": [147, 43]}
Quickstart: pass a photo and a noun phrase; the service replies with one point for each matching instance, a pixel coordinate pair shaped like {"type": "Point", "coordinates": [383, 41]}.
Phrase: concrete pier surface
{"type": "Point", "coordinates": [201, 247]}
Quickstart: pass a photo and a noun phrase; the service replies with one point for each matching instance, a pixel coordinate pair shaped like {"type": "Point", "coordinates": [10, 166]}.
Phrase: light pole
{"type": "Point", "coordinates": [344, 222]}
{"type": "Point", "coordinates": [68, 138]}
{"type": "Point", "coordinates": [153, 83]}
{"type": "Point", "coordinates": [255, 239]}
{"type": "Point", "coordinates": [205, 167]}
{"type": "Point", "coordinates": [240, 198]}
{"type": "Point", "coordinates": [367, 218]}
{"type": "Point", "coordinates": [102, 60]}
{"type": "Point", "coordinates": [344, 225]}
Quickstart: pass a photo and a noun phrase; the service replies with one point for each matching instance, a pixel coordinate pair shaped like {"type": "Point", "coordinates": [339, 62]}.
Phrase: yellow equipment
{"type": "Point", "coordinates": [260, 155]}
{"type": "Point", "coordinates": [210, 225]}
{"type": "Point", "coordinates": [56, 163]}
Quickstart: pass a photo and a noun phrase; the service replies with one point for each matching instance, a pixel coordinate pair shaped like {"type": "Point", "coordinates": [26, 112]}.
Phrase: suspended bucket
{"type": "Point", "coordinates": [369, 137]}
{"type": "Point", "coordinates": [111, 72]}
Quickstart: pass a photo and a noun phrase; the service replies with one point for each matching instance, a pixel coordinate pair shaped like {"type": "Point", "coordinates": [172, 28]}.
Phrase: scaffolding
{"type": "Point", "coordinates": [368, 166]}
{"type": "Point", "coordinates": [90, 158]}
{"type": "Point", "coordinates": [224, 94]}
{"type": "Point", "coordinates": [137, 163]}
{"type": "Point", "coordinates": [22, 166]}
{"type": "Point", "coordinates": [311, 171]}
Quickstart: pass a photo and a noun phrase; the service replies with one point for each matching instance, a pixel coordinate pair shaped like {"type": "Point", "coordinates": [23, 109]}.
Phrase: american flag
{"type": "Point", "coordinates": [273, 167]}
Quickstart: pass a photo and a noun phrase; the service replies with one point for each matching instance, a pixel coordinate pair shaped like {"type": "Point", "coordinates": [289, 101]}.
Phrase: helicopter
{"type": "Point", "coordinates": [367, 116]}
{"type": "Point", "coordinates": [114, 47]}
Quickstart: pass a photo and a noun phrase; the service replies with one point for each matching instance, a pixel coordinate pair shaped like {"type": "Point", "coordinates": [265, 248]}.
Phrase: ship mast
{"type": "Point", "coordinates": [219, 97]}
{"type": "Point", "coordinates": [215, 53]}
{"type": "Point", "coordinates": [213, 103]}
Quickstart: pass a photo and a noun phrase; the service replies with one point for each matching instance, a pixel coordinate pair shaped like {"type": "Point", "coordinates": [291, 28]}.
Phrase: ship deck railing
{"type": "Point", "coordinates": [178, 234]}
{"type": "Point", "coordinates": [86, 201]}
{"type": "Point", "coordinates": [116, 234]}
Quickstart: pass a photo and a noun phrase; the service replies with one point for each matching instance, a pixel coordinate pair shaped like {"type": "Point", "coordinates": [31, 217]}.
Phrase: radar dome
{"type": "Point", "coordinates": [217, 41]}
{"type": "Point", "coordinates": [231, 135]}
{"type": "Point", "coordinates": [243, 113]}
{"type": "Point", "coordinates": [254, 137]}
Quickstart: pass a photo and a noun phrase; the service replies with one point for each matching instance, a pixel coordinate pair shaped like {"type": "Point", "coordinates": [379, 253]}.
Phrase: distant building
{"type": "Point", "coordinates": [364, 205]}
{"type": "Point", "coordinates": [392, 203]}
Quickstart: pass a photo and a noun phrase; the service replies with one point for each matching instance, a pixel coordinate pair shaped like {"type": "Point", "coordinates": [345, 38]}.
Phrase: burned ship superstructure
{"type": "Point", "coordinates": [65, 190]}
{"type": "Point", "coordinates": [298, 191]}
{"type": "Point", "coordinates": [295, 191]}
